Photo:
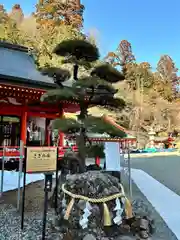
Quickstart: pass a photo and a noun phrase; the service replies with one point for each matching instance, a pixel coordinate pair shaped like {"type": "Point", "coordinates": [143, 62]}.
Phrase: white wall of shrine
{"type": "Point", "coordinates": [40, 122]}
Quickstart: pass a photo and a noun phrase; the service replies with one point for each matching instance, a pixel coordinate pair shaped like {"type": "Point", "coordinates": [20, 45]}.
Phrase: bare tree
{"type": "Point", "coordinates": [17, 14]}
{"type": "Point", "coordinates": [168, 72]}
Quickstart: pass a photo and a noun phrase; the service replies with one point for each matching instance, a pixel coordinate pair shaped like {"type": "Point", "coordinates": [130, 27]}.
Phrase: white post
{"type": "Point", "coordinates": [129, 171]}
{"type": "Point", "coordinates": [2, 171]}
{"type": "Point", "coordinates": [20, 173]}
{"type": "Point", "coordinates": [127, 168]}
{"type": "Point", "coordinates": [112, 156]}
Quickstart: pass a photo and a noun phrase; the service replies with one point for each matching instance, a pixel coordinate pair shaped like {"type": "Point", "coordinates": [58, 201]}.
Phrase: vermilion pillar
{"type": "Point", "coordinates": [61, 139]}
{"type": "Point", "coordinates": [97, 161]}
{"type": "Point", "coordinates": [61, 135]}
{"type": "Point", "coordinates": [23, 126]}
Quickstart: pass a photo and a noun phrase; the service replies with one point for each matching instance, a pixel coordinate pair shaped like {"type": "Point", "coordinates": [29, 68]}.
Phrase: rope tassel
{"type": "Point", "coordinates": [128, 208]}
{"type": "Point", "coordinates": [107, 216]}
{"type": "Point", "coordinates": [69, 208]}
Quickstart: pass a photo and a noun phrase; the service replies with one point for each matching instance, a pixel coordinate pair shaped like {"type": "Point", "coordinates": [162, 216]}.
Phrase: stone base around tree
{"type": "Point", "coordinates": [116, 174]}
{"type": "Point", "coordinates": [109, 216]}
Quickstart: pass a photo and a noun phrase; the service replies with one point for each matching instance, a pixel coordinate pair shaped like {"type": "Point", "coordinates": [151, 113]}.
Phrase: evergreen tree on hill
{"type": "Point", "coordinates": [3, 15]}
{"type": "Point", "coordinates": [9, 30]}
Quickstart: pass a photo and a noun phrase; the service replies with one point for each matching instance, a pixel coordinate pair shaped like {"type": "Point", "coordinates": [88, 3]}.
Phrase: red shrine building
{"type": "Point", "coordinates": [21, 86]}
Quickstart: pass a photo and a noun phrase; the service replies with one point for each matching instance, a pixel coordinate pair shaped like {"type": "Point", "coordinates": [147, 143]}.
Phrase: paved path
{"type": "Point", "coordinates": [165, 201]}
{"type": "Point", "coordinates": [164, 169]}
{"type": "Point", "coordinates": [158, 179]}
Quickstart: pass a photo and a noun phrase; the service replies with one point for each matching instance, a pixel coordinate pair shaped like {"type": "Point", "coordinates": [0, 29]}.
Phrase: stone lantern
{"type": "Point", "coordinates": [151, 134]}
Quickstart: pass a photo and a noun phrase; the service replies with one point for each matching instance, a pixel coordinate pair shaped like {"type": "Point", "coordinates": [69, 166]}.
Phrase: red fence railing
{"type": "Point", "coordinates": [13, 152]}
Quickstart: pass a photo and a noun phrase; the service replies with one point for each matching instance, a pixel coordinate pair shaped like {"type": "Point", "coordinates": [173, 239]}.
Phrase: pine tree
{"type": "Point", "coordinates": [95, 89]}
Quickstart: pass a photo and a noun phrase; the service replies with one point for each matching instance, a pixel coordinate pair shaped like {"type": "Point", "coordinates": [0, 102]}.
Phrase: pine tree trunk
{"type": "Point", "coordinates": [81, 143]}
{"type": "Point", "coordinates": [75, 72]}
{"type": "Point", "coordinates": [81, 139]}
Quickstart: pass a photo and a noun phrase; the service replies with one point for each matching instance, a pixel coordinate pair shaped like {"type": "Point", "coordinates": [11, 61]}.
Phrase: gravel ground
{"type": "Point", "coordinates": [11, 221]}
{"type": "Point", "coordinates": [10, 218]}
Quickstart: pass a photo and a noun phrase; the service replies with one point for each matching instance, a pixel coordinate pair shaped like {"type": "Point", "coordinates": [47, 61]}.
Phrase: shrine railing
{"type": "Point", "coordinates": [13, 152]}
{"type": "Point", "coordinates": [9, 152]}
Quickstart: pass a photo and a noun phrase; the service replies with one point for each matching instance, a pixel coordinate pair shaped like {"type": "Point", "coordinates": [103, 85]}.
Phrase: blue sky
{"type": "Point", "coordinates": [152, 27]}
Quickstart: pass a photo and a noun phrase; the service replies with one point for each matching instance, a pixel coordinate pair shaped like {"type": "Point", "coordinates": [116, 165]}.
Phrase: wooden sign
{"type": "Point", "coordinates": [41, 159]}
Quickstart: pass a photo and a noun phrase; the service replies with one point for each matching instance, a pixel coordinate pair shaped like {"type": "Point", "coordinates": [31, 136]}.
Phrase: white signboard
{"type": "Point", "coordinates": [112, 156]}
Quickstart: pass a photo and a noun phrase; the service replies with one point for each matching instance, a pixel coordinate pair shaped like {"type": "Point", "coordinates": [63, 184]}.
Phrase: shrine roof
{"type": "Point", "coordinates": [106, 137]}
{"type": "Point", "coordinates": [160, 139]}
{"type": "Point", "coordinates": [18, 67]}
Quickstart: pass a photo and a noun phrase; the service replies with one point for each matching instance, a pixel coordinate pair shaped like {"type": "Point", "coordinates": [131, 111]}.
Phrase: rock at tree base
{"type": "Point", "coordinates": [94, 185]}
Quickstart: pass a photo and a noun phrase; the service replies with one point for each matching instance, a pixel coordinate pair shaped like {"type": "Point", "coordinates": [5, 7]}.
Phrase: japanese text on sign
{"type": "Point", "coordinates": [41, 159]}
